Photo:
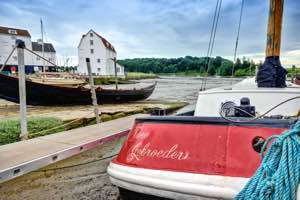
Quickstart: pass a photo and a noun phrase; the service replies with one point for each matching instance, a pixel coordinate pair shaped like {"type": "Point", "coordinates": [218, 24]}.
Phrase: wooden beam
{"type": "Point", "coordinates": [274, 28]}
{"type": "Point", "coordinates": [93, 92]}
{"type": "Point", "coordinates": [22, 90]}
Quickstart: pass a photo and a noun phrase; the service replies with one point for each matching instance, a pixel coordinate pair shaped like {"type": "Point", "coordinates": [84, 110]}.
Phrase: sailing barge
{"type": "Point", "coordinates": [212, 154]}
{"type": "Point", "coordinates": [50, 95]}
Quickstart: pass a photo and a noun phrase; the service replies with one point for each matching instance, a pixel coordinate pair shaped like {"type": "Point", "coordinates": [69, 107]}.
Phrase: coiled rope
{"type": "Point", "coordinates": [278, 176]}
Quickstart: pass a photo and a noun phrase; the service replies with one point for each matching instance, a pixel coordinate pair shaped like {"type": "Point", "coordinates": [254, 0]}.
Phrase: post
{"type": "Point", "coordinates": [93, 92]}
{"type": "Point", "coordinates": [22, 89]}
{"type": "Point", "coordinates": [116, 75]}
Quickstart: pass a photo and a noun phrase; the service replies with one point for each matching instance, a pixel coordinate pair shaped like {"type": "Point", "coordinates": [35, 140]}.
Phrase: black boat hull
{"type": "Point", "coordinates": [45, 95]}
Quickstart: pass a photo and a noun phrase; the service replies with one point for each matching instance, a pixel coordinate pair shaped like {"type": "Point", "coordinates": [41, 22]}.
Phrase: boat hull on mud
{"type": "Point", "coordinates": [48, 95]}
{"type": "Point", "coordinates": [191, 157]}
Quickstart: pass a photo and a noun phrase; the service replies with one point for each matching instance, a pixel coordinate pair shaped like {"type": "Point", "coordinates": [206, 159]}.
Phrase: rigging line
{"type": "Point", "coordinates": [212, 29]}
{"type": "Point", "coordinates": [213, 40]}
{"type": "Point", "coordinates": [238, 37]}
{"type": "Point", "coordinates": [50, 62]}
{"type": "Point", "coordinates": [79, 164]}
{"type": "Point", "coordinates": [4, 64]}
{"type": "Point", "coordinates": [210, 40]}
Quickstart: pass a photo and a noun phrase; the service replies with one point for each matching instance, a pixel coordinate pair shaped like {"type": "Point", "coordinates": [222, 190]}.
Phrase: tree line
{"type": "Point", "coordinates": [188, 64]}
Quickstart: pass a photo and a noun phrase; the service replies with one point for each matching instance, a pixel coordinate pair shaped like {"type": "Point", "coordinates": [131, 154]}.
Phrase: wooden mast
{"type": "Point", "coordinates": [271, 73]}
{"type": "Point", "coordinates": [274, 28]}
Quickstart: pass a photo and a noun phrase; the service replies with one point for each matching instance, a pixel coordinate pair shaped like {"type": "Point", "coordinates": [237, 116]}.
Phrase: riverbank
{"type": "Point", "coordinates": [44, 120]}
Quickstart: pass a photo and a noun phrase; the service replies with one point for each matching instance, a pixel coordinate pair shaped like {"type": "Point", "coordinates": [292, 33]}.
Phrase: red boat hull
{"type": "Point", "coordinates": [214, 149]}
{"type": "Point", "coordinates": [297, 81]}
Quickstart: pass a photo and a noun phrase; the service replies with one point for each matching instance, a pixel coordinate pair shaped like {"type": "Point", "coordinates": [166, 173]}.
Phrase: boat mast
{"type": "Point", "coordinates": [271, 73]}
{"type": "Point", "coordinates": [43, 50]}
{"type": "Point", "coordinates": [274, 28]}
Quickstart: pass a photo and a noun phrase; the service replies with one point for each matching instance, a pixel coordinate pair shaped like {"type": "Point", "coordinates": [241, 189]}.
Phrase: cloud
{"type": "Point", "coordinates": [158, 28]}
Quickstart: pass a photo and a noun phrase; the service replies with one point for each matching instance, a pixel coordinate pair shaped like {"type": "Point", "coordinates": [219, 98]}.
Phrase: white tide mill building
{"type": "Point", "coordinates": [101, 54]}
{"type": "Point", "coordinates": [8, 37]}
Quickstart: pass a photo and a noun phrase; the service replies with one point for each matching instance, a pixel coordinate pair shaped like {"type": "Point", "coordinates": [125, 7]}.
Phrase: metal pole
{"type": "Point", "coordinates": [43, 50]}
{"type": "Point", "coordinates": [22, 89]}
{"type": "Point", "coordinates": [93, 92]}
{"type": "Point", "coordinates": [116, 75]}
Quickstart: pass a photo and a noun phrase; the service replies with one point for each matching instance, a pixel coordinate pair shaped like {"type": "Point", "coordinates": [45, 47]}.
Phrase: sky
{"type": "Point", "coordinates": [155, 28]}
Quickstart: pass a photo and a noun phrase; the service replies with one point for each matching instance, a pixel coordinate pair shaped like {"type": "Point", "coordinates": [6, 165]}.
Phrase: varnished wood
{"type": "Point", "coordinates": [274, 28]}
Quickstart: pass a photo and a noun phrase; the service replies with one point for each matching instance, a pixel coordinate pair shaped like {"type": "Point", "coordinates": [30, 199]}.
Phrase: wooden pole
{"type": "Point", "coordinates": [274, 28]}
{"type": "Point", "coordinates": [93, 92]}
{"type": "Point", "coordinates": [116, 73]}
{"type": "Point", "coordinates": [22, 89]}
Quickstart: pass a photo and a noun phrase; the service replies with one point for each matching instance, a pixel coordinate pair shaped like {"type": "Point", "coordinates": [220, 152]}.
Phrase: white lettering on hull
{"type": "Point", "coordinates": [139, 151]}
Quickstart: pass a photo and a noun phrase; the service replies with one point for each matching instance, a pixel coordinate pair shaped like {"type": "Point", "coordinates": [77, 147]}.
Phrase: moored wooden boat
{"type": "Point", "coordinates": [57, 79]}
{"type": "Point", "coordinates": [211, 155]}
{"type": "Point", "coordinates": [43, 94]}
{"type": "Point", "coordinates": [202, 156]}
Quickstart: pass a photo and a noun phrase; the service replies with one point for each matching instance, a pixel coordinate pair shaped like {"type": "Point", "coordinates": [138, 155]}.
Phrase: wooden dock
{"type": "Point", "coordinates": [26, 156]}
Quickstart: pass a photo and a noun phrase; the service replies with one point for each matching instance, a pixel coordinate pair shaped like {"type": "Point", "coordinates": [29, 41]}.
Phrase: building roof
{"type": "Point", "coordinates": [107, 44]}
{"type": "Point", "coordinates": [48, 47]}
{"type": "Point", "coordinates": [14, 31]}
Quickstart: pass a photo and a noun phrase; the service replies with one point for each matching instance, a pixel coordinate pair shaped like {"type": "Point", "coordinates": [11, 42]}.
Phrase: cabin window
{"type": "Point", "coordinates": [91, 42]}
{"type": "Point", "coordinates": [12, 31]}
{"type": "Point", "coordinates": [98, 60]}
{"type": "Point", "coordinates": [92, 50]}
{"type": "Point", "coordinates": [91, 34]}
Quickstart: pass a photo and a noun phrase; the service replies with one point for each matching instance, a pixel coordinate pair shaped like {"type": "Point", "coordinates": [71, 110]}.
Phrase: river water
{"type": "Point", "coordinates": [174, 88]}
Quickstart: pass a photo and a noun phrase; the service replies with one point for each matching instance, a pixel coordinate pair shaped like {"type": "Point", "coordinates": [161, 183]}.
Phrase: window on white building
{"type": "Point", "coordinates": [91, 42]}
{"type": "Point", "coordinates": [37, 58]}
{"type": "Point", "coordinates": [12, 31]}
{"type": "Point", "coordinates": [99, 69]}
{"type": "Point", "coordinates": [15, 57]}
{"type": "Point", "coordinates": [91, 34]}
{"type": "Point", "coordinates": [118, 69]}
{"type": "Point", "coordinates": [92, 50]}
{"type": "Point", "coordinates": [98, 60]}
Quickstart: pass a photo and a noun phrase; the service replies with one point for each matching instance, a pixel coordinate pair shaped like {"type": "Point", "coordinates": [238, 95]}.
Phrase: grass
{"type": "Point", "coordinates": [127, 80]}
{"type": "Point", "coordinates": [109, 81]}
{"type": "Point", "coordinates": [40, 126]}
{"type": "Point", "coordinates": [10, 128]}
{"type": "Point", "coordinates": [140, 75]}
